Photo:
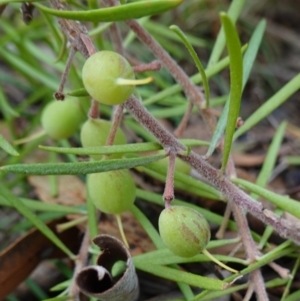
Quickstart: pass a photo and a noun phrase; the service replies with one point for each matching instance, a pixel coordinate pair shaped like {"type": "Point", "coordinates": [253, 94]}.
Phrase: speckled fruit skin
{"type": "Point", "coordinates": [184, 231]}
{"type": "Point", "coordinates": [61, 119]}
{"type": "Point", "coordinates": [112, 192]}
{"type": "Point", "coordinates": [99, 75]}
{"type": "Point", "coordinates": [94, 132]}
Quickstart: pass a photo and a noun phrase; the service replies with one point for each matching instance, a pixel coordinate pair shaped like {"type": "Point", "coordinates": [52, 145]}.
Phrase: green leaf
{"type": "Point", "coordinates": [118, 149]}
{"type": "Point", "coordinates": [78, 93]}
{"type": "Point", "coordinates": [270, 105]}
{"type": "Point", "coordinates": [148, 226]}
{"type": "Point", "coordinates": [284, 202]}
{"type": "Point", "coordinates": [165, 257]}
{"type": "Point", "coordinates": [45, 207]}
{"type": "Point", "coordinates": [196, 79]}
{"type": "Point", "coordinates": [80, 167]}
{"type": "Point", "coordinates": [233, 12]}
{"type": "Point", "coordinates": [16, 1]}
{"type": "Point", "coordinates": [181, 276]}
{"type": "Point", "coordinates": [5, 107]}
{"type": "Point", "coordinates": [292, 160]}
{"type": "Point", "coordinates": [236, 79]}
{"type": "Point", "coordinates": [28, 214]}
{"type": "Point", "coordinates": [6, 146]}
{"type": "Point", "coordinates": [271, 156]}
{"type": "Point", "coordinates": [28, 70]}
{"type": "Point", "coordinates": [248, 62]}
{"type": "Point", "coordinates": [195, 57]}
{"type": "Point", "coordinates": [133, 10]}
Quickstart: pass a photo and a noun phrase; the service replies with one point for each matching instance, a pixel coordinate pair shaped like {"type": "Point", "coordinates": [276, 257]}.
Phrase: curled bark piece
{"type": "Point", "coordinates": [96, 281]}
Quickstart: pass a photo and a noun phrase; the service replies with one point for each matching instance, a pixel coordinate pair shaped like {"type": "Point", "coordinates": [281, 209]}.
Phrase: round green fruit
{"type": "Point", "coordinates": [184, 231]}
{"type": "Point", "coordinates": [101, 73]}
{"type": "Point", "coordinates": [61, 119]}
{"type": "Point", "coordinates": [94, 132]}
{"type": "Point", "coordinates": [112, 192]}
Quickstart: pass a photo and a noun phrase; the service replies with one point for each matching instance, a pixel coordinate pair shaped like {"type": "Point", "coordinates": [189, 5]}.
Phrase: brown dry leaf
{"type": "Point", "coordinates": [71, 190]}
{"type": "Point", "coordinates": [246, 175]}
{"type": "Point", "coordinates": [247, 160]}
{"type": "Point", "coordinates": [21, 257]}
{"type": "Point", "coordinates": [137, 238]}
{"type": "Point", "coordinates": [4, 131]}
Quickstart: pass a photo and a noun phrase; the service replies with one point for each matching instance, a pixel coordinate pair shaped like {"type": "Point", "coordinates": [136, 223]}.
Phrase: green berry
{"type": "Point", "coordinates": [94, 132]}
{"type": "Point", "coordinates": [100, 74]}
{"type": "Point", "coordinates": [184, 231]}
{"type": "Point", "coordinates": [61, 119]}
{"type": "Point", "coordinates": [112, 192]}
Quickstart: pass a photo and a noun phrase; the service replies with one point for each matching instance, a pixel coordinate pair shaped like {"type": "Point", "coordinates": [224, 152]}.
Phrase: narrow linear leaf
{"type": "Point", "coordinates": [234, 10]}
{"type": "Point", "coordinates": [295, 296]}
{"type": "Point", "coordinates": [16, 1]}
{"type": "Point", "coordinates": [80, 167]}
{"type": "Point", "coordinates": [165, 257]}
{"type": "Point", "coordinates": [248, 62]}
{"type": "Point", "coordinates": [270, 105]}
{"type": "Point", "coordinates": [133, 10]}
{"type": "Point", "coordinates": [79, 93]}
{"type": "Point", "coordinates": [271, 156]}
{"type": "Point", "coordinates": [196, 79]}
{"type": "Point", "coordinates": [181, 276]}
{"type": "Point", "coordinates": [5, 107]}
{"type": "Point", "coordinates": [284, 202]}
{"type": "Point", "coordinates": [45, 207]}
{"type": "Point", "coordinates": [195, 57]}
{"type": "Point", "coordinates": [28, 214]}
{"type": "Point", "coordinates": [148, 227]}
{"type": "Point", "coordinates": [292, 160]}
{"type": "Point", "coordinates": [216, 295]}
{"type": "Point", "coordinates": [219, 130]}
{"type": "Point", "coordinates": [115, 149]}
{"type": "Point", "coordinates": [6, 146]}
{"type": "Point", "coordinates": [252, 49]}
{"type": "Point", "coordinates": [24, 67]}
{"type": "Point", "coordinates": [236, 79]}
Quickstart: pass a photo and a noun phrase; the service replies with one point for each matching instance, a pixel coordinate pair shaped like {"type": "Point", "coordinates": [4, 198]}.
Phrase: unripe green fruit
{"type": "Point", "coordinates": [94, 132]}
{"type": "Point", "coordinates": [61, 119]}
{"type": "Point", "coordinates": [100, 74]}
{"type": "Point", "coordinates": [184, 231]}
{"type": "Point", "coordinates": [112, 192]}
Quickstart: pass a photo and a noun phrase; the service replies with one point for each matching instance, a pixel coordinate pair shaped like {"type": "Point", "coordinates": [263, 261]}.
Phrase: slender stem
{"type": "Point", "coordinates": [169, 185]}
{"type": "Point", "coordinates": [184, 121]}
{"type": "Point", "coordinates": [140, 113]}
{"type": "Point", "coordinates": [120, 226]}
{"type": "Point", "coordinates": [249, 292]}
{"type": "Point", "coordinates": [59, 94]}
{"type": "Point", "coordinates": [80, 263]}
{"type": "Point", "coordinates": [153, 66]}
{"type": "Point", "coordinates": [220, 233]}
{"type": "Point", "coordinates": [94, 109]}
{"type": "Point", "coordinates": [115, 124]}
{"type": "Point", "coordinates": [192, 92]}
{"type": "Point", "coordinates": [218, 262]}
{"type": "Point", "coordinates": [115, 36]}
{"type": "Point", "coordinates": [88, 44]}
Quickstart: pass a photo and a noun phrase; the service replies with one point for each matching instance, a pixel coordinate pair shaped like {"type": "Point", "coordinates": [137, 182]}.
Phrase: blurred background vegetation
{"type": "Point", "coordinates": [32, 60]}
